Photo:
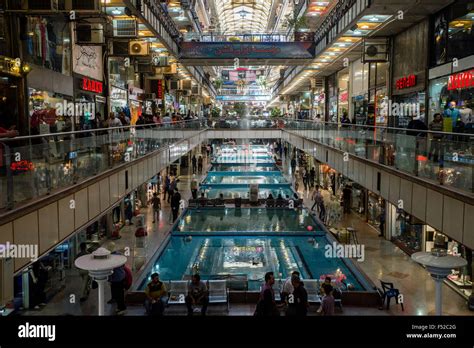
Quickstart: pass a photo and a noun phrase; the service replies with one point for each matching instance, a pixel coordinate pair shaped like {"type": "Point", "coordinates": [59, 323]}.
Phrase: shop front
{"type": "Point", "coordinates": [359, 87]}
{"type": "Point", "coordinates": [343, 94]}
{"type": "Point", "coordinates": [378, 82]}
{"type": "Point", "coordinates": [118, 76]}
{"type": "Point", "coordinates": [49, 111]}
{"type": "Point", "coordinates": [12, 96]}
{"type": "Point", "coordinates": [136, 100]}
{"type": "Point", "coordinates": [413, 235]}
{"type": "Point", "coordinates": [90, 101]}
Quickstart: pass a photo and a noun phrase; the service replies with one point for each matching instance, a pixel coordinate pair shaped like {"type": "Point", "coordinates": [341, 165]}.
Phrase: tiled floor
{"type": "Point", "coordinates": [383, 260]}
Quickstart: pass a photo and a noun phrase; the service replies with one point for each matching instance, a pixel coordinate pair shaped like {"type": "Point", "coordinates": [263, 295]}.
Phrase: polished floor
{"type": "Point", "coordinates": [383, 260]}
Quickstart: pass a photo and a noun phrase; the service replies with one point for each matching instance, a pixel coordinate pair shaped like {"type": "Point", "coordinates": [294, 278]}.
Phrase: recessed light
{"type": "Point", "coordinates": [364, 26]}
{"type": "Point", "coordinates": [374, 19]}
{"type": "Point", "coordinates": [116, 11]}
{"type": "Point", "coordinates": [357, 32]}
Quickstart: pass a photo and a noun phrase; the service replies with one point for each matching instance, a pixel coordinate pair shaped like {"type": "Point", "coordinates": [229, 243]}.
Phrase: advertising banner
{"type": "Point", "coordinates": [247, 50]}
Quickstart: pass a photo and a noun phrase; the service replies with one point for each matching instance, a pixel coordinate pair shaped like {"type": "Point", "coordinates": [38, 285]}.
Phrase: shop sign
{"type": "Point", "coordinates": [159, 91]}
{"type": "Point", "coordinates": [22, 166]}
{"type": "Point", "coordinates": [461, 80]}
{"type": "Point", "coordinates": [406, 82]}
{"type": "Point", "coordinates": [91, 85]}
{"type": "Point", "coordinates": [135, 93]}
{"type": "Point", "coordinates": [88, 61]}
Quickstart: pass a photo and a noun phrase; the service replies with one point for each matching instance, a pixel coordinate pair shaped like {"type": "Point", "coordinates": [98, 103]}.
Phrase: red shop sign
{"type": "Point", "coordinates": [91, 85]}
{"type": "Point", "coordinates": [406, 82]}
{"type": "Point", "coordinates": [159, 94]}
{"type": "Point", "coordinates": [461, 80]}
{"type": "Point", "coordinates": [22, 166]}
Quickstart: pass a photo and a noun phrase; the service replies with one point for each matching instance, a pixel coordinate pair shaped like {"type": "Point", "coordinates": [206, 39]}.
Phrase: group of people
{"type": "Point", "coordinates": [157, 296]}
{"type": "Point", "coordinates": [294, 297]}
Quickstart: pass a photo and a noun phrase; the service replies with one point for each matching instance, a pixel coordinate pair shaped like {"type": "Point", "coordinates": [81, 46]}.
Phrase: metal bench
{"type": "Point", "coordinates": [218, 292]}
{"type": "Point", "coordinates": [178, 291]}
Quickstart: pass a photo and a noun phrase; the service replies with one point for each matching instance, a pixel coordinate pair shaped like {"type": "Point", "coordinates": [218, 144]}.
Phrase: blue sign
{"type": "Point", "coordinates": [247, 50]}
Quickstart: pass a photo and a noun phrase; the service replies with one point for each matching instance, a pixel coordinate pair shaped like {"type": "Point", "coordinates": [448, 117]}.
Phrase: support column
{"type": "Point", "coordinates": [438, 294]}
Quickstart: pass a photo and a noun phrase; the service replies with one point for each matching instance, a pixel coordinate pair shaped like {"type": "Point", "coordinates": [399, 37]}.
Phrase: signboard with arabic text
{"type": "Point", "coordinates": [247, 50]}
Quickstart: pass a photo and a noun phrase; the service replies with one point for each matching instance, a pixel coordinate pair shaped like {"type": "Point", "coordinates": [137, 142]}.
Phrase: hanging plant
{"type": "Point", "coordinates": [218, 84]}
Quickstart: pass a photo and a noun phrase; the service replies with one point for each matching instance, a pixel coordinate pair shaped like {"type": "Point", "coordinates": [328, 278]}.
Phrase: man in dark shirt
{"type": "Point", "coordinates": [175, 202]}
{"type": "Point", "coordinates": [197, 294]}
{"type": "Point", "coordinates": [266, 305]}
{"type": "Point", "coordinates": [298, 300]}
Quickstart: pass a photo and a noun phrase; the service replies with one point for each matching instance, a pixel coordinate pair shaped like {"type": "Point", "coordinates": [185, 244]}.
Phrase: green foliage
{"type": "Point", "coordinates": [215, 112]}
{"type": "Point", "coordinates": [276, 112]}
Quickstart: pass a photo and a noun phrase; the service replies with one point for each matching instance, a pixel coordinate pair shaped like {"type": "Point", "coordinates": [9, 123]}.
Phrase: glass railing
{"type": "Point", "coordinates": [35, 166]}
{"type": "Point", "coordinates": [446, 158]}
{"type": "Point", "coordinates": [247, 122]}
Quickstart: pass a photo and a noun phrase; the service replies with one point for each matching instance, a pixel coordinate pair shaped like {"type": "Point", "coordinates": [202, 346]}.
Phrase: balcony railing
{"type": "Point", "coordinates": [35, 166]}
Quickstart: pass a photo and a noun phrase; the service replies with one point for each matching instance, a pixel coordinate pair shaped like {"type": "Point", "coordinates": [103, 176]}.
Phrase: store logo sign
{"type": "Point", "coordinates": [91, 85]}
{"type": "Point", "coordinates": [406, 82]}
{"type": "Point", "coordinates": [461, 80]}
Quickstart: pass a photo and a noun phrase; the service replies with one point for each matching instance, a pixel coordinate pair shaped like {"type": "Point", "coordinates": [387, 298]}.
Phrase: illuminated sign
{"type": "Point", "coordinates": [22, 166]}
{"type": "Point", "coordinates": [91, 85]}
{"type": "Point", "coordinates": [461, 80]}
{"type": "Point", "coordinates": [406, 82]}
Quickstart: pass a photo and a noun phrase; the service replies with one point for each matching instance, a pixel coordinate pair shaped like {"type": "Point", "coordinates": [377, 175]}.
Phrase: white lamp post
{"type": "Point", "coordinates": [100, 265]}
{"type": "Point", "coordinates": [439, 264]}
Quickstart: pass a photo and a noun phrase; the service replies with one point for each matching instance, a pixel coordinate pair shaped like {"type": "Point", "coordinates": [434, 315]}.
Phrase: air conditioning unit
{"type": "Point", "coordinates": [196, 90]}
{"type": "Point", "coordinates": [138, 48]}
{"type": "Point", "coordinates": [185, 85]}
{"type": "Point", "coordinates": [375, 50]}
{"type": "Point", "coordinates": [89, 34]}
{"type": "Point", "coordinates": [159, 61]}
{"type": "Point", "coordinates": [143, 66]}
{"type": "Point", "coordinates": [125, 28]}
{"type": "Point", "coordinates": [83, 5]}
{"type": "Point", "coordinates": [167, 70]}
{"type": "Point", "coordinates": [119, 48]}
{"type": "Point", "coordinates": [185, 93]}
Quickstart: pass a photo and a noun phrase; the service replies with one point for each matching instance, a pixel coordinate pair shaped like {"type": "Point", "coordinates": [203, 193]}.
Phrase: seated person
{"type": "Point", "coordinates": [197, 294]}
{"type": "Point", "coordinates": [327, 281]}
{"type": "Point", "coordinates": [202, 200]}
{"type": "Point", "coordinates": [220, 200]}
{"type": "Point", "coordinates": [280, 202]}
{"type": "Point", "coordinates": [156, 296]}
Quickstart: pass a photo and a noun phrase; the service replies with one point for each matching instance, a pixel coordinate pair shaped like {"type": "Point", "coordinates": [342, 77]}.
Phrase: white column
{"type": "Point", "coordinates": [101, 289]}
{"type": "Point", "coordinates": [438, 294]}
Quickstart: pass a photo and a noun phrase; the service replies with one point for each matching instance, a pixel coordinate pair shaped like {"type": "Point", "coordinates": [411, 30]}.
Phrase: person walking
{"type": "Point", "coordinates": [166, 187]}
{"type": "Point", "coordinates": [382, 222]}
{"type": "Point", "coordinates": [156, 204]}
{"type": "Point", "coordinates": [173, 186]}
{"type": "Point", "coordinates": [266, 305]}
{"type": "Point", "coordinates": [175, 202]}
{"type": "Point", "coordinates": [194, 187]}
{"type": "Point", "coordinates": [346, 198]}
{"type": "Point", "coordinates": [317, 199]}
{"type": "Point", "coordinates": [86, 279]}
{"type": "Point", "coordinates": [194, 163]}
{"type": "Point", "coordinates": [293, 165]}
{"type": "Point", "coordinates": [200, 164]}
{"type": "Point", "coordinates": [117, 288]}
{"type": "Point", "coordinates": [312, 177]}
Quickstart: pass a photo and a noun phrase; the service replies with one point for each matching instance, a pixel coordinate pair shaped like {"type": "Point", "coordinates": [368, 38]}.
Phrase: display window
{"type": "Point", "coordinates": [444, 95]}
{"type": "Point", "coordinates": [406, 231]}
{"type": "Point", "coordinates": [44, 118]}
{"type": "Point", "coordinates": [48, 43]}
{"type": "Point", "coordinates": [453, 33]}
{"type": "Point", "coordinates": [416, 103]}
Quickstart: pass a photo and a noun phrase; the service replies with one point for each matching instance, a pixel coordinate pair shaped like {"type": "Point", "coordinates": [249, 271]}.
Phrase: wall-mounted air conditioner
{"type": "Point", "coordinates": [375, 50]}
{"type": "Point", "coordinates": [89, 34]}
{"type": "Point", "coordinates": [138, 48]}
{"type": "Point", "coordinates": [185, 85]}
{"type": "Point", "coordinates": [125, 28]}
{"type": "Point", "coordinates": [83, 5]}
{"type": "Point", "coordinates": [196, 90]}
{"type": "Point", "coordinates": [174, 85]}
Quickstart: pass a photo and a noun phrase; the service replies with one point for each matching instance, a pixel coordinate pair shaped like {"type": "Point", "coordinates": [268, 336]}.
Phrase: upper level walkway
{"type": "Point", "coordinates": [432, 173]}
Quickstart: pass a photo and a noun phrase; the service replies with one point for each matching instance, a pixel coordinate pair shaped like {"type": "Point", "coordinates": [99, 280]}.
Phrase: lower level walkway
{"type": "Point", "coordinates": [383, 260]}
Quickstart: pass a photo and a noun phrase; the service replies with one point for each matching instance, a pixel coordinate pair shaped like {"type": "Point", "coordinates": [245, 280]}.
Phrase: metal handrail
{"type": "Point", "coordinates": [160, 126]}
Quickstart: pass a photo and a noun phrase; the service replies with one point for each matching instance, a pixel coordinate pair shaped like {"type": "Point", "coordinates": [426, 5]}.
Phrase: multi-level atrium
{"type": "Point", "coordinates": [236, 158]}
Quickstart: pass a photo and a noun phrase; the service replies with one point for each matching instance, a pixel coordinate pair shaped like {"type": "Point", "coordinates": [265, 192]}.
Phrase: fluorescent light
{"type": "Point", "coordinates": [116, 11]}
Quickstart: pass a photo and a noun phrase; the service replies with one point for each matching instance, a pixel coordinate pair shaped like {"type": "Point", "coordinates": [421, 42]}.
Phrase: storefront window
{"type": "Point", "coordinates": [453, 33]}
{"type": "Point", "coordinates": [441, 96]}
{"type": "Point", "coordinates": [48, 43]}
{"type": "Point", "coordinates": [407, 232]}
{"type": "Point", "coordinates": [44, 117]}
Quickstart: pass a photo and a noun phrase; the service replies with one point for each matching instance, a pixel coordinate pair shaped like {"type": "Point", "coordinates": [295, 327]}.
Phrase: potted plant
{"type": "Point", "coordinates": [276, 112]}
{"type": "Point", "coordinates": [218, 84]}
{"type": "Point", "coordinates": [215, 112]}
{"type": "Point", "coordinates": [300, 27]}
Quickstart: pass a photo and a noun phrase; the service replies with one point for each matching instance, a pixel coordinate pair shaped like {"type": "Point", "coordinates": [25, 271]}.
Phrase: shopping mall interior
{"type": "Point", "coordinates": [242, 158]}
